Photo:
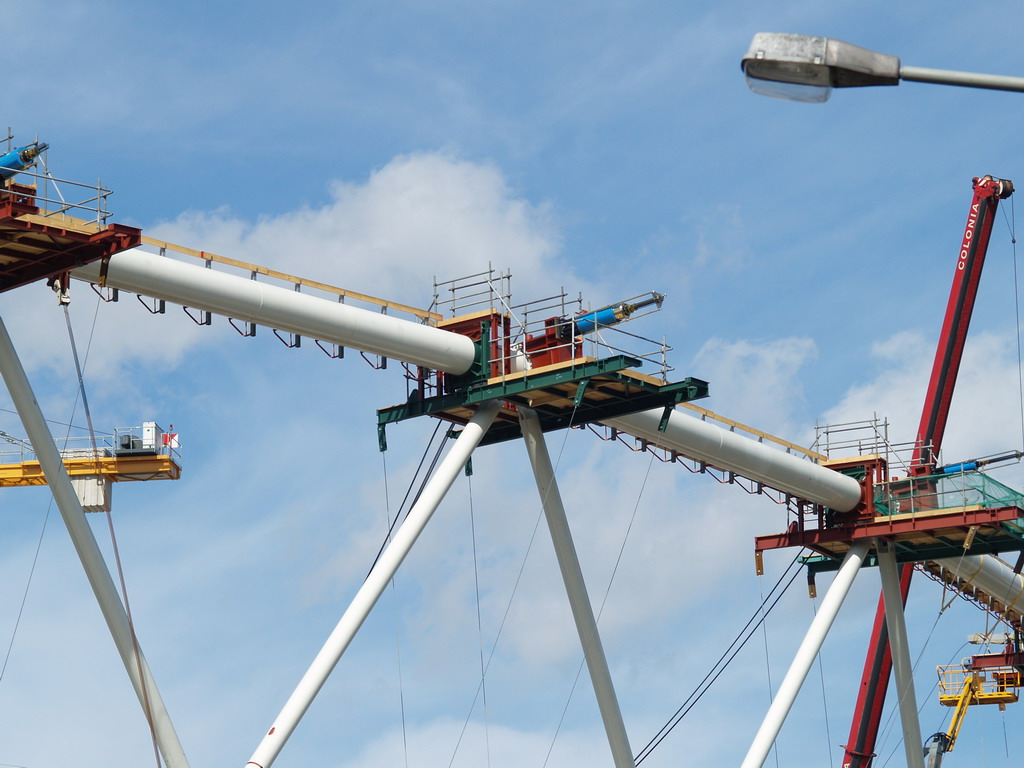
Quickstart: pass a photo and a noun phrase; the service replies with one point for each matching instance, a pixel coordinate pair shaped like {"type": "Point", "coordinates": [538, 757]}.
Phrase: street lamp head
{"type": "Point", "coordinates": [803, 68]}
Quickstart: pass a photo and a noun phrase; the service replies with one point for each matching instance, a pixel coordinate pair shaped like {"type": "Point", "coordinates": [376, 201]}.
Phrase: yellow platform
{"type": "Point", "coordinates": [115, 468]}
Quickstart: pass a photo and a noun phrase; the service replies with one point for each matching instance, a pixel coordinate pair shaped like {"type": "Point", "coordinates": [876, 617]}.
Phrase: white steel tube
{"type": "Point", "coordinates": [900, 647]}
{"type": "Point", "coordinates": [88, 551]}
{"type": "Point", "coordinates": [376, 582]}
{"type": "Point", "coordinates": [992, 576]}
{"type": "Point", "coordinates": [270, 305]}
{"type": "Point", "coordinates": [804, 658]}
{"type": "Point", "coordinates": [706, 442]}
{"type": "Point", "coordinates": [576, 588]}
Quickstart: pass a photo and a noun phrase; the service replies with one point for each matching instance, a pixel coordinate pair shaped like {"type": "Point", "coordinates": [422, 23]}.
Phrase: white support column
{"type": "Point", "coordinates": [376, 582]}
{"type": "Point", "coordinates": [901, 662]}
{"type": "Point", "coordinates": [88, 551]}
{"type": "Point", "coordinates": [582, 610]}
{"type": "Point", "coordinates": [804, 658]}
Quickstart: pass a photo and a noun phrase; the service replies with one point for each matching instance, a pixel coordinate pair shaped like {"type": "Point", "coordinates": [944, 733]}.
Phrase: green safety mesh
{"type": "Point", "coordinates": [964, 489]}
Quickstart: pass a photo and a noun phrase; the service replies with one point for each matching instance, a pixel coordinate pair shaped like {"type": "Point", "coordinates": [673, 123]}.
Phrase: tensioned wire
{"type": "Point", "coordinates": [67, 424]}
{"type": "Point", "coordinates": [604, 600]}
{"type": "Point", "coordinates": [113, 541]}
{"type": "Point", "coordinates": [49, 506]}
{"type": "Point", "coordinates": [768, 662]}
{"type": "Point", "coordinates": [479, 623]}
{"type": "Point", "coordinates": [380, 551]}
{"type": "Point", "coordinates": [755, 621]}
{"type": "Point", "coordinates": [515, 586]}
{"type": "Point", "coordinates": [1011, 222]}
{"type": "Point", "coordinates": [891, 720]}
{"type": "Point", "coordinates": [437, 451]}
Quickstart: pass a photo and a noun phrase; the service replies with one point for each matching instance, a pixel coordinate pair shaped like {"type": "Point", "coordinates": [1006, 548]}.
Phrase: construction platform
{"type": "Point", "coordinates": [990, 685]}
{"type": "Point", "coordinates": [115, 468]}
{"type": "Point", "coordinates": [926, 518]}
{"type": "Point", "coordinates": [565, 394]}
{"type": "Point", "coordinates": [35, 245]}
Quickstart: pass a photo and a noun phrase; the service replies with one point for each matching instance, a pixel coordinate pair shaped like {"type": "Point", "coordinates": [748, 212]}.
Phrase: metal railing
{"type": "Point", "coordinates": [17, 451]}
{"type": "Point", "coordinates": [56, 197]}
{"type": "Point", "coordinates": [947, 491]}
{"type": "Point", "coordinates": [490, 290]}
{"type": "Point", "coordinates": [994, 685]}
{"type": "Point", "coordinates": [869, 437]}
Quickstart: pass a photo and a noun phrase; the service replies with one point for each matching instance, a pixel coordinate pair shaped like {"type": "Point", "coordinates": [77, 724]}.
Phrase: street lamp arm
{"type": "Point", "coordinates": [804, 68]}
{"type": "Point", "coordinates": [965, 79]}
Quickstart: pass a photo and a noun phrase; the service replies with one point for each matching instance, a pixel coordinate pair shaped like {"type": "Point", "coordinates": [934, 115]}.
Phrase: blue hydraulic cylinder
{"type": "Point", "coordinates": [963, 466]}
{"type": "Point", "coordinates": [19, 159]}
{"type": "Point", "coordinates": [600, 318]}
{"type": "Point", "coordinates": [590, 321]}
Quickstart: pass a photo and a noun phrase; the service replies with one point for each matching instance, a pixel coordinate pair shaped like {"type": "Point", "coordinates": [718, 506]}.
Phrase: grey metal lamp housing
{"type": "Point", "coordinates": [807, 68]}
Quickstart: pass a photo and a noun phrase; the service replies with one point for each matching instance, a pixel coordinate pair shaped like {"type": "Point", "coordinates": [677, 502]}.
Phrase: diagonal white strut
{"type": "Point", "coordinates": [805, 654]}
{"type": "Point", "coordinates": [901, 663]}
{"type": "Point", "coordinates": [88, 551]}
{"type": "Point", "coordinates": [582, 610]}
{"type": "Point", "coordinates": [376, 582]}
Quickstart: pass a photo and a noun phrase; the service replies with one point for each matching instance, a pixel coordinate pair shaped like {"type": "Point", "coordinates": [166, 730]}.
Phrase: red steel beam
{"type": "Point", "coordinates": [894, 529]}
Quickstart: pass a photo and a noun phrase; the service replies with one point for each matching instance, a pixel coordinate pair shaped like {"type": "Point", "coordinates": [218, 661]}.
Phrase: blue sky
{"type": "Point", "coordinates": [613, 149]}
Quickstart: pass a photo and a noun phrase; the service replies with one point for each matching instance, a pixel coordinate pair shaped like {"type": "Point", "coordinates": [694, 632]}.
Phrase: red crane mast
{"type": "Point", "coordinates": [988, 191]}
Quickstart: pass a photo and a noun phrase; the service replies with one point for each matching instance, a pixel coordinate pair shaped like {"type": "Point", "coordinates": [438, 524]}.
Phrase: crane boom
{"type": "Point", "coordinates": [970, 261]}
{"type": "Point", "coordinates": [988, 191]}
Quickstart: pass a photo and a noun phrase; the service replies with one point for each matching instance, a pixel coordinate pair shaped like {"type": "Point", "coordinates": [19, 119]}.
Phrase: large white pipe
{"type": "Point", "coordinates": [576, 589]}
{"type": "Point", "coordinates": [270, 305]}
{"type": "Point", "coordinates": [376, 582]}
{"type": "Point", "coordinates": [726, 450]}
{"type": "Point", "coordinates": [88, 551]}
{"type": "Point", "coordinates": [805, 656]}
{"type": "Point", "coordinates": [992, 576]}
{"type": "Point", "coordinates": [163, 278]}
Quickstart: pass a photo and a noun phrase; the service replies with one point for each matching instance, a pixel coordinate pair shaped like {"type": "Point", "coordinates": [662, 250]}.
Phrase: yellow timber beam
{"type": "Point", "coordinates": [116, 468]}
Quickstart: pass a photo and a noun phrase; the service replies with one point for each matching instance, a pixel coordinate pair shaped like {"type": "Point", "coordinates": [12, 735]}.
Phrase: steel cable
{"type": "Point", "coordinates": [723, 662]}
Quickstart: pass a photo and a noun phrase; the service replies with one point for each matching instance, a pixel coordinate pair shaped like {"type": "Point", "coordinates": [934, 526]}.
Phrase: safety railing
{"type": "Point", "coordinates": [58, 198]}
{"type": "Point", "coordinates": [993, 685]}
{"type": "Point", "coordinates": [947, 491]}
{"type": "Point", "coordinates": [147, 439]}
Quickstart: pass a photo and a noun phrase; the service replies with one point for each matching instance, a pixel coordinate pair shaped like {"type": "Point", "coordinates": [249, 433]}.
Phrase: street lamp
{"type": "Point", "coordinates": [803, 68]}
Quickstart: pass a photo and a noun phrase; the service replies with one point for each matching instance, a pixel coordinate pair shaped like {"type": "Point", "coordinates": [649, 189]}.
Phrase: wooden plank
{"type": "Point", "coordinates": [929, 513]}
{"type": "Point", "coordinates": [63, 221]}
{"type": "Point", "coordinates": [862, 459]}
{"type": "Point", "coordinates": [284, 276]}
{"type": "Point", "coordinates": [538, 371]}
{"type": "Point", "coordinates": [818, 457]}
{"type": "Point", "coordinates": [466, 318]}
{"type": "Point", "coordinates": [545, 398]}
{"type": "Point", "coordinates": [644, 377]}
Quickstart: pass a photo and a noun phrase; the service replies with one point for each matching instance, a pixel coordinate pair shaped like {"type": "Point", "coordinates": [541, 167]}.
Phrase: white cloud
{"type": "Point", "coordinates": [985, 413]}
{"type": "Point", "coordinates": [757, 382]}
{"type": "Point", "coordinates": [420, 216]}
{"type": "Point", "coordinates": [896, 392]}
